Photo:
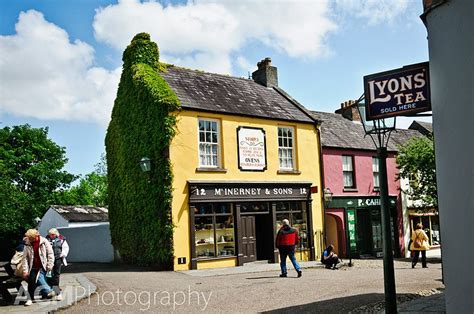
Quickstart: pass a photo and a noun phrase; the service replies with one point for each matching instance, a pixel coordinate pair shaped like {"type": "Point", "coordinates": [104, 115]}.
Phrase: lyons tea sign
{"type": "Point", "coordinates": [403, 91]}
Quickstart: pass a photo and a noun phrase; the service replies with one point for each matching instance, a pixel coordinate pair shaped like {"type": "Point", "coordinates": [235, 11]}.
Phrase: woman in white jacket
{"type": "Point", "coordinates": [60, 250]}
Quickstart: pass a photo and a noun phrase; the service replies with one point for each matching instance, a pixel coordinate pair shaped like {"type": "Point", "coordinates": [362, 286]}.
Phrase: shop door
{"type": "Point", "coordinates": [364, 233]}
{"type": "Point", "coordinates": [247, 238]}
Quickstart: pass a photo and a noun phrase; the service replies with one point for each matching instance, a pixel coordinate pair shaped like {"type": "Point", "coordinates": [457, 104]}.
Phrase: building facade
{"type": "Point", "coordinates": [353, 221]}
{"type": "Point", "coordinates": [245, 157]}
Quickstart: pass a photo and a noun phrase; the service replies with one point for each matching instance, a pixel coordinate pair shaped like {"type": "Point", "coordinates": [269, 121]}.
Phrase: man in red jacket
{"type": "Point", "coordinates": [286, 241]}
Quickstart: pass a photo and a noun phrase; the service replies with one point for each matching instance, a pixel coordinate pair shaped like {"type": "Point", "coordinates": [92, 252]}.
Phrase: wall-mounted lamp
{"type": "Point", "coordinates": [327, 194]}
{"type": "Point", "coordinates": [145, 164]}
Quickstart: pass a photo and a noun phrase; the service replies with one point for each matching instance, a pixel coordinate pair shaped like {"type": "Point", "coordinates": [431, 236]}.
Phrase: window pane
{"type": "Point", "coordinates": [214, 126]}
{"type": "Point", "coordinates": [202, 125]}
{"type": "Point", "coordinates": [254, 207]}
{"type": "Point", "coordinates": [225, 235]}
{"type": "Point", "coordinates": [348, 180]}
{"type": "Point", "coordinates": [282, 206]}
{"type": "Point", "coordinates": [204, 236]}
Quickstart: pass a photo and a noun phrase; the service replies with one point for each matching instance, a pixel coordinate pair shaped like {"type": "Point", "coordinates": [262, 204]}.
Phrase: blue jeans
{"type": "Point", "coordinates": [290, 252]}
{"type": "Point", "coordinates": [41, 282]}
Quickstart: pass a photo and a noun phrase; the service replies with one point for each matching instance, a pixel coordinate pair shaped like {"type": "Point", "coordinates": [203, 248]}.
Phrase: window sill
{"type": "Point", "coordinates": [288, 172]}
{"type": "Point", "coordinates": [201, 169]}
{"type": "Point", "coordinates": [207, 258]}
{"type": "Point", "coordinates": [376, 190]}
{"type": "Point", "coordinates": [350, 190]}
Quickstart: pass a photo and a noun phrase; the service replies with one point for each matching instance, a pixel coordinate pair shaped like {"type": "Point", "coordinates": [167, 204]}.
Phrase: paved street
{"type": "Point", "coordinates": [120, 289]}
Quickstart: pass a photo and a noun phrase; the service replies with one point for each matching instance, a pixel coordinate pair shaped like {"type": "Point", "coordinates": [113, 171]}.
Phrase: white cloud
{"type": "Point", "coordinates": [46, 76]}
{"type": "Point", "coordinates": [205, 33]}
{"type": "Point", "coordinates": [374, 11]}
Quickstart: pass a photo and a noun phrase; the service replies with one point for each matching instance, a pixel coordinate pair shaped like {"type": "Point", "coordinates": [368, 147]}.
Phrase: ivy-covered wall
{"type": "Point", "coordinates": [142, 125]}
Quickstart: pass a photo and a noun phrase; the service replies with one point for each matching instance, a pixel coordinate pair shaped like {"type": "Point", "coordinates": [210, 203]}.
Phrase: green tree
{"type": "Point", "coordinates": [30, 172]}
{"type": "Point", "coordinates": [91, 190]}
{"type": "Point", "coordinates": [416, 161]}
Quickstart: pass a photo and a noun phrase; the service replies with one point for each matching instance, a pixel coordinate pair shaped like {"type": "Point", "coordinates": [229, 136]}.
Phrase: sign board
{"type": "Point", "coordinates": [399, 92]}
{"type": "Point", "coordinates": [351, 229]}
{"type": "Point", "coordinates": [239, 191]}
{"type": "Point", "coordinates": [251, 149]}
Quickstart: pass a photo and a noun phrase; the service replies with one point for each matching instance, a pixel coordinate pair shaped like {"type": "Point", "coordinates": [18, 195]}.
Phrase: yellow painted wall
{"type": "Point", "coordinates": [229, 262]}
{"type": "Point", "coordinates": [184, 156]}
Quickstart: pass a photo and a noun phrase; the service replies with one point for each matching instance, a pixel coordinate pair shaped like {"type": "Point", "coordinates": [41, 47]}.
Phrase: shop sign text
{"type": "Point", "coordinates": [397, 92]}
{"type": "Point", "coordinates": [251, 149]}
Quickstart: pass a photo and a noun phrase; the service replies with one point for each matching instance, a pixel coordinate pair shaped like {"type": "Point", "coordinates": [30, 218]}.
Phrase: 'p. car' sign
{"type": "Point", "coordinates": [397, 92]}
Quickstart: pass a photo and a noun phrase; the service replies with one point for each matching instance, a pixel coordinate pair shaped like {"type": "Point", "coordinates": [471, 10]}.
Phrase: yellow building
{"type": "Point", "coordinates": [246, 156]}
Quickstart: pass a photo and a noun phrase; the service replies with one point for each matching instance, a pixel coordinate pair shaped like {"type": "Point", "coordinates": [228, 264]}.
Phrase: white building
{"type": "Point", "coordinates": [86, 229]}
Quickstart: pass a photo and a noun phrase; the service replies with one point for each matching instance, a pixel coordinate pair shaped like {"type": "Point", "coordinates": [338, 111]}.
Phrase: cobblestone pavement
{"type": "Point", "coordinates": [125, 289]}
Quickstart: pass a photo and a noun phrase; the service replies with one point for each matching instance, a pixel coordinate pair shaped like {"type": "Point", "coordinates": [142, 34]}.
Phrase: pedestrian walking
{"type": "Point", "coordinates": [286, 241]}
{"type": "Point", "coordinates": [419, 243]}
{"type": "Point", "coordinates": [60, 250]}
{"type": "Point", "coordinates": [329, 258]}
{"type": "Point", "coordinates": [38, 259]}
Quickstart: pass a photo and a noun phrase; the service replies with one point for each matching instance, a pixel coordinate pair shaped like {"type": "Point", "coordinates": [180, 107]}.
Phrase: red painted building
{"type": "Point", "coordinates": [350, 170]}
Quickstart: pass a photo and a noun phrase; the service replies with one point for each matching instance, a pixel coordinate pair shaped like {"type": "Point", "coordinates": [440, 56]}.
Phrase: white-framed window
{"type": "Point", "coordinates": [209, 148]}
{"type": "Point", "coordinates": [286, 149]}
{"type": "Point", "coordinates": [375, 170]}
{"type": "Point", "coordinates": [348, 171]}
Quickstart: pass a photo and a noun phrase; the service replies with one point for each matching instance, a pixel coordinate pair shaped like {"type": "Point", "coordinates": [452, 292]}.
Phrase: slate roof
{"type": "Point", "coordinates": [424, 127]}
{"type": "Point", "coordinates": [339, 132]}
{"type": "Point", "coordinates": [82, 213]}
{"type": "Point", "coordinates": [232, 95]}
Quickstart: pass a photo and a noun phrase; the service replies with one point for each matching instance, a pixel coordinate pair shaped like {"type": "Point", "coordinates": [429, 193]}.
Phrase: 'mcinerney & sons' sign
{"type": "Point", "coordinates": [397, 92]}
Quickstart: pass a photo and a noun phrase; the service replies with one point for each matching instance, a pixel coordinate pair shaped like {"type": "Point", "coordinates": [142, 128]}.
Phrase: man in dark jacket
{"type": "Point", "coordinates": [286, 241]}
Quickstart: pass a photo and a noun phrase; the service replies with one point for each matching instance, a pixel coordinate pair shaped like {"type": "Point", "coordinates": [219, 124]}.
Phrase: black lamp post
{"type": "Point", "coordinates": [379, 131]}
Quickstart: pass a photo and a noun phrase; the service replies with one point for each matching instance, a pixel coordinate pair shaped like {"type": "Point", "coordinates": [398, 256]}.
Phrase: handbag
{"type": "Point", "coordinates": [418, 242]}
{"type": "Point", "coordinates": [16, 259]}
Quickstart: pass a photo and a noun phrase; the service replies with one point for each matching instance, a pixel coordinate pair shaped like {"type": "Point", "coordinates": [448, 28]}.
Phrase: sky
{"type": "Point", "coordinates": [60, 61]}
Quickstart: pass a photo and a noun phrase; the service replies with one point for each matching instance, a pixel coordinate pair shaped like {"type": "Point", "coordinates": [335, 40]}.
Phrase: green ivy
{"type": "Point", "coordinates": [142, 125]}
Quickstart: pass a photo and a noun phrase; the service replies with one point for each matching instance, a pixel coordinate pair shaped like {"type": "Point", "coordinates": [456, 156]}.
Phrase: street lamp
{"type": "Point", "coordinates": [379, 131]}
{"type": "Point", "coordinates": [145, 164]}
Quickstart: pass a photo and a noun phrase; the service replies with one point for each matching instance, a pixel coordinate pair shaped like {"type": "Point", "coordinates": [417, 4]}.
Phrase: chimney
{"type": "Point", "coordinates": [266, 74]}
{"type": "Point", "coordinates": [349, 111]}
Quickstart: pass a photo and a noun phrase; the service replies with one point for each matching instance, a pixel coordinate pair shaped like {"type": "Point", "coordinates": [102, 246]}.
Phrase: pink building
{"type": "Point", "coordinates": [350, 170]}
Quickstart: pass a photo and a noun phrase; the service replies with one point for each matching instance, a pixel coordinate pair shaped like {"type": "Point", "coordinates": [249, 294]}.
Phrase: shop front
{"type": "Point", "coordinates": [239, 220]}
{"type": "Point", "coordinates": [354, 226]}
{"type": "Point", "coordinates": [429, 218]}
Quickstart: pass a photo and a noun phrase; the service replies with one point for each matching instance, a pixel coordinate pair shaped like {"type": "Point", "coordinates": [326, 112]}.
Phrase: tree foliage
{"type": "Point", "coordinates": [30, 171]}
{"type": "Point", "coordinates": [416, 161]}
{"type": "Point", "coordinates": [142, 125]}
{"type": "Point", "coordinates": [91, 190]}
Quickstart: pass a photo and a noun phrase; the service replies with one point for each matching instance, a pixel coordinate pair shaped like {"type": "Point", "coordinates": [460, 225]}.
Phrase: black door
{"type": "Point", "coordinates": [364, 232]}
{"type": "Point", "coordinates": [248, 239]}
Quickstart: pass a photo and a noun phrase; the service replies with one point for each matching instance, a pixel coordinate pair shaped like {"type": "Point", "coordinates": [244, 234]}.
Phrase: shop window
{"type": "Point", "coordinates": [209, 148]}
{"type": "Point", "coordinates": [296, 213]}
{"type": "Point", "coordinates": [214, 230]}
{"type": "Point", "coordinates": [286, 148]}
{"type": "Point", "coordinates": [254, 208]}
{"type": "Point", "coordinates": [375, 170]}
{"type": "Point", "coordinates": [348, 171]}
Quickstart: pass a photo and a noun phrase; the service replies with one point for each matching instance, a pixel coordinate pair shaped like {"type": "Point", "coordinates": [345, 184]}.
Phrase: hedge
{"type": "Point", "coordinates": [142, 125]}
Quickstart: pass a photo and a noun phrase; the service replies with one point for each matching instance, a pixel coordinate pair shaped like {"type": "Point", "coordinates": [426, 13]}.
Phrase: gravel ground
{"type": "Point", "coordinates": [349, 289]}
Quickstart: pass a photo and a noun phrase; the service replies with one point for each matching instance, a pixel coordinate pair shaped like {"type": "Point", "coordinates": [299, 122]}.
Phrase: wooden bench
{"type": "Point", "coordinates": [8, 282]}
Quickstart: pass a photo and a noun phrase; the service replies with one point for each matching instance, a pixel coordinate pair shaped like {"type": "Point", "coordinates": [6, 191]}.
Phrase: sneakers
{"type": "Point", "coordinates": [300, 273]}
{"type": "Point", "coordinates": [59, 297]}
{"type": "Point", "coordinates": [28, 302]}
{"type": "Point", "coordinates": [51, 294]}
{"type": "Point", "coordinates": [283, 275]}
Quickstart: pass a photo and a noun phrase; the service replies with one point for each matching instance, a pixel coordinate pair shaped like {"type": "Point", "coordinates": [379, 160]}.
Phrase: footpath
{"type": "Point", "coordinates": [75, 288]}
